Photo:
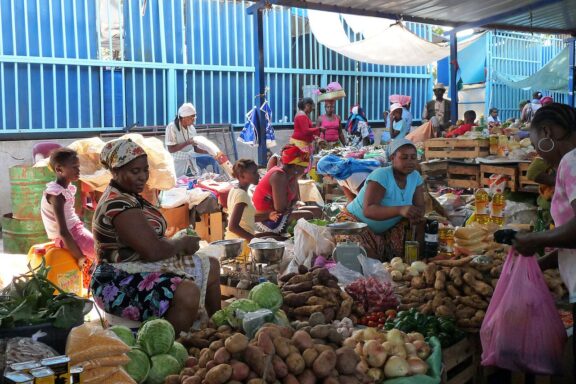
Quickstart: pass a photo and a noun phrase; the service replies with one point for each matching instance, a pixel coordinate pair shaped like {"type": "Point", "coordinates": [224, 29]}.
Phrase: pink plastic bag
{"type": "Point", "coordinates": [522, 330]}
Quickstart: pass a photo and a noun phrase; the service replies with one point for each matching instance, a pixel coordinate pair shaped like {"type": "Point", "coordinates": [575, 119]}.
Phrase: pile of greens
{"type": "Point", "coordinates": [32, 299]}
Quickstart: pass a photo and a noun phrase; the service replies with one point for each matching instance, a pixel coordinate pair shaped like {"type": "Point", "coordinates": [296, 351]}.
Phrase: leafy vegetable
{"type": "Point", "coordinates": [219, 317]}
{"type": "Point", "coordinates": [156, 337]}
{"type": "Point", "coordinates": [179, 352]}
{"type": "Point", "coordinates": [139, 365]}
{"type": "Point", "coordinates": [124, 334]}
{"type": "Point", "coordinates": [162, 366]}
{"type": "Point", "coordinates": [267, 295]}
{"type": "Point", "coordinates": [234, 316]}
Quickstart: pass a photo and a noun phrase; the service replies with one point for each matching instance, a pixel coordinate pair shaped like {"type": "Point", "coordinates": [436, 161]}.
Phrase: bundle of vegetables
{"type": "Point", "coordinates": [371, 295]}
{"type": "Point", "coordinates": [31, 299]}
{"type": "Point", "coordinates": [395, 354]}
{"type": "Point", "coordinates": [314, 290]}
{"type": "Point", "coordinates": [443, 328]}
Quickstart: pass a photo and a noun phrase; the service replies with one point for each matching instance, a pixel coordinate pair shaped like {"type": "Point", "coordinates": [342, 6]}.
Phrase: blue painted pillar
{"type": "Point", "coordinates": [453, 80]}
{"type": "Point", "coordinates": [571, 69]}
{"type": "Point", "coordinates": [260, 81]}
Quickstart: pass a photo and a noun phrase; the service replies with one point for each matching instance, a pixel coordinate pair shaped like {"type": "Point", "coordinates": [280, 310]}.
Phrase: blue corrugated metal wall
{"type": "Point", "coordinates": [54, 76]}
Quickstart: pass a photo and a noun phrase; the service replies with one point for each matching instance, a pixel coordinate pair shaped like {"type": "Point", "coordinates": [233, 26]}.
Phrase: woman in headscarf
{"type": "Point", "coordinates": [140, 273]}
{"type": "Point", "coordinates": [357, 128]}
{"type": "Point", "coordinates": [278, 191]}
{"type": "Point", "coordinates": [304, 131]}
{"type": "Point", "coordinates": [391, 198]}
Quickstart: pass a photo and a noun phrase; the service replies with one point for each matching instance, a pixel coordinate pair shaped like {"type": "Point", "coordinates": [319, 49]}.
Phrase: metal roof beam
{"type": "Point", "coordinates": [501, 16]}
{"type": "Point", "coordinates": [523, 28]}
{"type": "Point", "coordinates": [354, 11]}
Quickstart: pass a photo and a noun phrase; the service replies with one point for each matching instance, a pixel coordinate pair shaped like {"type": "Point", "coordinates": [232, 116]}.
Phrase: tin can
{"type": "Point", "coordinates": [411, 251]}
{"type": "Point", "coordinates": [43, 375]}
{"type": "Point", "coordinates": [77, 374]}
{"type": "Point", "coordinates": [18, 378]}
{"type": "Point", "coordinates": [25, 366]}
{"type": "Point", "coordinates": [61, 367]}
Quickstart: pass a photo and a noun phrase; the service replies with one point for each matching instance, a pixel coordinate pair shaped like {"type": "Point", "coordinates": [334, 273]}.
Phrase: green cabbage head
{"type": "Point", "coordinates": [156, 337]}
{"type": "Point", "coordinates": [267, 295]}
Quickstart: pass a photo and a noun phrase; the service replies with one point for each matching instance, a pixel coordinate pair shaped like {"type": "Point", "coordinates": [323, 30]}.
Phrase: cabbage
{"type": "Point", "coordinates": [219, 317]}
{"type": "Point", "coordinates": [124, 334]}
{"type": "Point", "coordinates": [156, 337]}
{"type": "Point", "coordinates": [179, 352]}
{"type": "Point", "coordinates": [138, 366]}
{"type": "Point", "coordinates": [162, 366]}
{"type": "Point", "coordinates": [267, 295]}
{"type": "Point", "coordinates": [242, 305]}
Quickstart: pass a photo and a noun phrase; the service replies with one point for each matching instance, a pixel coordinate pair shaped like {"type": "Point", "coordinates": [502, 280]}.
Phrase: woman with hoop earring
{"type": "Point", "coordinates": [553, 134]}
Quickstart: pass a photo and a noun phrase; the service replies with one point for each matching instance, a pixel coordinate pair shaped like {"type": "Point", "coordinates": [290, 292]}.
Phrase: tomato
{"type": "Point", "coordinates": [381, 321]}
{"type": "Point", "coordinates": [372, 324]}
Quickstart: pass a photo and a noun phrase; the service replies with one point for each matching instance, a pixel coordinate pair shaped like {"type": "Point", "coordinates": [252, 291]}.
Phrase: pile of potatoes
{"type": "Point", "coordinates": [387, 355]}
{"type": "Point", "coordinates": [276, 355]}
{"type": "Point", "coordinates": [195, 341]}
{"type": "Point", "coordinates": [314, 290]}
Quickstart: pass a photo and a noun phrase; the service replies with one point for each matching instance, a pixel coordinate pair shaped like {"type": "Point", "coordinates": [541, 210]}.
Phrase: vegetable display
{"type": "Point", "coordinates": [372, 295]}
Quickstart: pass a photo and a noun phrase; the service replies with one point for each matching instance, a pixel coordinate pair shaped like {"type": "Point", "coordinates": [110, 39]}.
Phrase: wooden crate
{"type": "Point", "coordinates": [456, 148]}
{"type": "Point", "coordinates": [524, 184]}
{"type": "Point", "coordinates": [177, 218]}
{"type": "Point", "coordinates": [210, 227]}
{"type": "Point", "coordinates": [333, 192]}
{"type": "Point", "coordinates": [434, 172]}
{"type": "Point", "coordinates": [463, 175]}
{"type": "Point", "coordinates": [510, 171]}
{"type": "Point", "coordinates": [460, 363]}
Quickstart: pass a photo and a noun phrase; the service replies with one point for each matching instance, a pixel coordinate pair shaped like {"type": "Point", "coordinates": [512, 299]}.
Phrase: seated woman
{"type": "Point", "coordinates": [389, 195]}
{"type": "Point", "coordinates": [278, 191]}
{"type": "Point", "coordinates": [140, 273]}
{"type": "Point", "coordinates": [469, 117]}
{"type": "Point", "coordinates": [350, 173]}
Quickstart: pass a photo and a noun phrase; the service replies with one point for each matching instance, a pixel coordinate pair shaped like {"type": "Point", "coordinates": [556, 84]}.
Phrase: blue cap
{"type": "Point", "coordinates": [397, 143]}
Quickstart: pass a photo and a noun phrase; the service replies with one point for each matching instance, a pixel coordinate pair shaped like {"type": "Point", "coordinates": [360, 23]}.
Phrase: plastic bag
{"type": "Point", "coordinates": [252, 321]}
{"type": "Point", "coordinates": [310, 239]}
{"type": "Point", "coordinates": [21, 349]}
{"type": "Point", "coordinates": [87, 342]}
{"type": "Point", "coordinates": [370, 268]}
{"type": "Point", "coordinates": [522, 330]}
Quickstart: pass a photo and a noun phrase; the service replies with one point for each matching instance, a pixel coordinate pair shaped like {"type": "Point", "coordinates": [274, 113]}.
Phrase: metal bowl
{"type": "Point", "coordinates": [346, 228]}
{"type": "Point", "coordinates": [267, 252]}
{"type": "Point", "coordinates": [232, 247]}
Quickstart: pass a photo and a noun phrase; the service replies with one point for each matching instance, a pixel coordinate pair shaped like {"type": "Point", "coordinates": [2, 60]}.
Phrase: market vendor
{"type": "Point", "coordinates": [553, 134]}
{"type": "Point", "coordinates": [304, 131]}
{"type": "Point", "coordinates": [469, 117]}
{"type": "Point", "coordinates": [399, 127]}
{"type": "Point", "coordinates": [349, 173]}
{"type": "Point", "coordinates": [388, 196]}
{"type": "Point", "coordinates": [358, 130]}
{"type": "Point", "coordinates": [438, 110]}
{"type": "Point", "coordinates": [179, 139]}
{"type": "Point", "coordinates": [330, 126]}
{"type": "Point", "coordinates": [278, 191]}
{"type": "Point", "coordinates": [140, 273]}
{"type": "Point", "coordinates": [493, 119]}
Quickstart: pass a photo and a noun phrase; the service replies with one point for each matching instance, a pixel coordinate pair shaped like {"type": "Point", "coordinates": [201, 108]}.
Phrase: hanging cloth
{"type": "Point", "coordinates": [249, 134]}
{"type": "Point", "coordinates": [270, 135]}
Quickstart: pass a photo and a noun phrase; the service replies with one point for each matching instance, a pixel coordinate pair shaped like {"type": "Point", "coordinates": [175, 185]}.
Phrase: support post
{"type": "Point", "coordinates": [453, 80]}
{"type": "Point", "coordinates": [571, 70]}
{"type": "Point", "coordinates": [260, 82]}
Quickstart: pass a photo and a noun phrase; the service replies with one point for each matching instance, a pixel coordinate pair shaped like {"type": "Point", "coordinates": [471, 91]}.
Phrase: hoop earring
{"type": "Point", "coordinates": [539, 145]}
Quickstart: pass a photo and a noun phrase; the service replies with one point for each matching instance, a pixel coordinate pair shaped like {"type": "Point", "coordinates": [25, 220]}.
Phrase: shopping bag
{"type": "Point", "coordinates": [522, 330]}
{"type": "Point", "coordinates": [310, 240]}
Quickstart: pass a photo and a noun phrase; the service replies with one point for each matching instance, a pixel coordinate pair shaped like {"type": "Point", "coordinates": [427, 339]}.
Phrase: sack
{"type": "Point", "coordinates": [310, 240]}
{"type": "Point", "coordinates": [522, 330]}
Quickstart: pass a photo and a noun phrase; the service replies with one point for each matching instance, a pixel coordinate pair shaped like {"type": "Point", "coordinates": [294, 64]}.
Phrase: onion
{"type": "Point", "coordinates": [396, 367]}
{"type": "Point", "coordinates": [419, 266]}
{"type": "Point", "coordinates": [410, 349]}
{"type": "Point", "coordinates": [417, 366]}
{"type": "Point", "coordinates": [422, 349]}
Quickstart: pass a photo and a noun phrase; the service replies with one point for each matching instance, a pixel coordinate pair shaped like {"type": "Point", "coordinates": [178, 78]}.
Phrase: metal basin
{"type": "Point", "coordinates": [267, 252]}
{"type": "Point", "coordinates": [232, 247]}
{"type": "Point", "coordinates": [349, 228]}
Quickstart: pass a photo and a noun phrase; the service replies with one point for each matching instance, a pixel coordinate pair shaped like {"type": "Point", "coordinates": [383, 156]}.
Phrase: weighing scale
{"type": "Point", "coordinates": [347, 252]}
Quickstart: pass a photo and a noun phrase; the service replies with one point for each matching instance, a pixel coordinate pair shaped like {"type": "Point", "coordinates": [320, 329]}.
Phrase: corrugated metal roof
{"type": "Point", "coordinates": [554, 16]}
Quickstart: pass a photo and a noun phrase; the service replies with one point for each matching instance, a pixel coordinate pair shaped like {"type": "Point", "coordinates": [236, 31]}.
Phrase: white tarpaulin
{"type": "Point", "coordinates": [385, 41]}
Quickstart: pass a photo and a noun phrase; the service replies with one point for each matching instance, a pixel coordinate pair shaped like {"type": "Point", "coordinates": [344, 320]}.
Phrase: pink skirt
{"type": "Point", "coordinates": [83, 238]}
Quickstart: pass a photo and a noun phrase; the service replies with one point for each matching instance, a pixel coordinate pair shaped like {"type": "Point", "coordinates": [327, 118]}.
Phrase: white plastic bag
{"type": "Point", "coordinates": [310, 240]}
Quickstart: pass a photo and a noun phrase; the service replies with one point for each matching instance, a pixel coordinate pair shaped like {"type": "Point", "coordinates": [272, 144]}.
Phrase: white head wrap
{"type": "Point", "coordinates": [186, 109]}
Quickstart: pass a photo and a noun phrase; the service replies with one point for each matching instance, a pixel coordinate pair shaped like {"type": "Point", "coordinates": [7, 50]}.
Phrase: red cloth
{"type": "Point", "coordinates": [460, 130]}
{"type": "Point", "coordinates": [304, 129]}
{"type": "Point", "coordinates": [291, 152]}
{"type": "Point", "coordinates": [263, 199]}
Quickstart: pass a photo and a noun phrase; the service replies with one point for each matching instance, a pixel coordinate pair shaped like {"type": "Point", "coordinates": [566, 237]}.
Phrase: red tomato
{"type": "Point", "coordinates": [372, 324]}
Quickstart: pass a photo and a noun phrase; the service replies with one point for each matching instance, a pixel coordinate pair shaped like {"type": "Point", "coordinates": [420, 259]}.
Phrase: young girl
{"type": "Point", "coordinates": [241, 211]}
{"type": "Point", "coordinates": [61, 222]}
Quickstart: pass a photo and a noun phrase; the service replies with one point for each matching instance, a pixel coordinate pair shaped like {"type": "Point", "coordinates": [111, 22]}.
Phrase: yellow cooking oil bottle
{"type": "Point", "coordinates": [64, 270]}
{"type": "Point", "coordinates": [497, 208]}
{"type": "Point", "coordinates": [482, 201]}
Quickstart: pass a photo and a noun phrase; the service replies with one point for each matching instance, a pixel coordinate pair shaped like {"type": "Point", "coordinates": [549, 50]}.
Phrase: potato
{"type": "Point", "coordinates": [172, 379]}
{"type": "Point", "coordinates": [346, 360]}
{"type": "Point", "coordinates": [348, 379]}
{"type": "Point", "coordinates": [240, 370]}
{"type": "Point", "coordinates": [256, 359]}
{"type": "Point", "coordinates": [290, 379]}
{"type": "Point", "coordinates": [335, 337]}
{"type": "Point", "coordinates": [221, 356]}
{"type": "Point", "coordinates": [295, 363]}
{"type": "Point", "coordinates": [280, 367]}
{"type": "Point", "coordinates": [220, 374]}
{"type": "Point", "coordinates": [211, 364]}
{"type": "Point", "coordinates": [256, 381]}
{"type": "Point", "coordinates": [302, 340]}
{"type": "Point", "coordinates": [331, 380]}
{"type": "Point", "coordinates": [266, 344]}
{"type": "Point", "coordinates": [216, 345]}
{"type": "Point", "coordinates": [282, 346]}
{"type": "Point", "coordinates": [201, 372]}
{"type": "Point", "coordinates": [192, 380]}
{"type": "Point", "coordinates": [307, 377]}
{"type": "Point", "coordinates": [205, 356]}
{"type": "Point", "coordinates": [324, 363]}
{"type": "Point", "coordinates": [320, 331]}
{"type": "Point", "coordinates": [236, 343]}
{"type": "Point", "coordinates": [187, 372]}
{"type": "Point", "coordinates": [191, 362]}
{"type": "Point", "coordinates": [309, 355]}
{"type": "Point", "coordinates": [198, 342]}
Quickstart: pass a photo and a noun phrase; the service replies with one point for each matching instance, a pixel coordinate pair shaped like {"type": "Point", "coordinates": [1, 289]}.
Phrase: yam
{"type": "Point", "coordinates": [297, 299]}
{"type": "Point", "coordinates": [307, 310]}
{"type": "Point", "coordinates": [324, 363]}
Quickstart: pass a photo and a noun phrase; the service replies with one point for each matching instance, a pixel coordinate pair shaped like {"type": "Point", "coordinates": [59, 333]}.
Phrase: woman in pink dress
{"type": "Point", "coordinates": [330, 126]}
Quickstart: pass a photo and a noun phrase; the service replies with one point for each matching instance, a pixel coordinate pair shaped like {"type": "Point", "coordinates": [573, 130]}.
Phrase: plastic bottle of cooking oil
{"type": "Point", "coordinates": [482, 201]}
{"type": "Point", "coordinates": [446, 240]}
{"type": "Point", "coordinates": [497, 208]}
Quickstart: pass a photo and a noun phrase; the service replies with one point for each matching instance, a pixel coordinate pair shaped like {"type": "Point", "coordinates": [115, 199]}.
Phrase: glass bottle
{"type": "Point", "coordinates": [497, 208]}
{"type": "Point", "coordinates": [431, 239]}
{"type": "Point", "coordinates": [482, 201]}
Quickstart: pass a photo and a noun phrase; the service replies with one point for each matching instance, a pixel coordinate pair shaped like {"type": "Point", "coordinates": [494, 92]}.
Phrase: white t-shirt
{"type": "Point", "coordinates": [247, 221]}
{"type": "Point", "coordinates": [185, 157]}
{"type": "Point", "coordinates": [47, 210]}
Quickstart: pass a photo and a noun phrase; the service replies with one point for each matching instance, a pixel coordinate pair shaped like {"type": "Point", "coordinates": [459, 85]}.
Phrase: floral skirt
{"type": "Point", "coordinates": [134, 296]}
{"type": "Point", "coordinates": [386, 245]}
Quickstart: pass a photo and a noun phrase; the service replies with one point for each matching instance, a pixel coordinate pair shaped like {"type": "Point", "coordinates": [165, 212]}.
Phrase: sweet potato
{"type": "Point", "coordinates": [473, 301]}
{"type": "Point", "coordinates": [456, 276]}
{"type": "Point", "coordinates": [324, 363]}
{"type": "Point", "coordinates": [417, 282]}
{"type": "Point", "coordinates": [329, 313]}
{"type": "Point", "coordinates": [300, 287]}
{"type": "Point", "coordinates": [440, 280]}
{"type": "Point", "coordinates": [345, 308]}
{"type": "Point", "coordinates": [479, 286]}
{"type": "Point", "coordinates": [315, 300]}
{"type": "Point", "coordinates": [297, 299]}
{"type": "Point", "coordinates": [307, 277]}
{"type": "Point", "coordinates": [430, 274]}
{"type": "Point", "coordinates": [285, 278]}
{"type": "Point", "coordinates": [452, 291]}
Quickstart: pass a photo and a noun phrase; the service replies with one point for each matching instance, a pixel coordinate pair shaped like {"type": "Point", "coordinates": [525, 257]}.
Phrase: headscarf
{"type": "Point", "coordinates": [356, 114]}
{"type": "Point", "coordinates": [291, 154]}
{"type": "Point", "coordinates": [186, 109]}
{"type": "Point", "coordinates": [546, 100]}
{"type": "Point", "coordinates": [403, 100]}
{"type": "Point", "coordinates": [119, 152]}
{"type": "Point", "coordinates": [398, 143]}
{"type": "Point", "coordinates": [341, 168]}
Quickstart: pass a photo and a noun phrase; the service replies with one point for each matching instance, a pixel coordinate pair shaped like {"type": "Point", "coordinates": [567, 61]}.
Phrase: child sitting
{"type": "Point", "coordinates": [61, 222]}
{"type": "Point", "coordinates": [469, 117]}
